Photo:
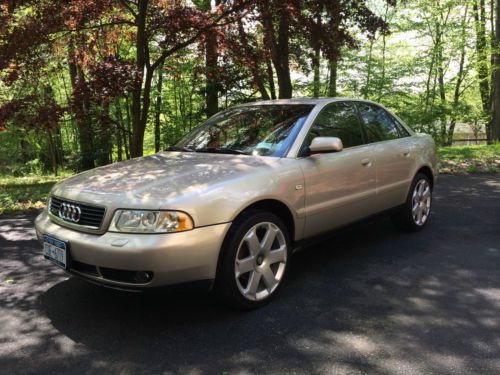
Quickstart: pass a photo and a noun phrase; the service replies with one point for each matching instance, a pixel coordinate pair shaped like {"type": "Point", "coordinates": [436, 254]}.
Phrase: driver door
{"type": "Point", "coordinates": [340, 187]}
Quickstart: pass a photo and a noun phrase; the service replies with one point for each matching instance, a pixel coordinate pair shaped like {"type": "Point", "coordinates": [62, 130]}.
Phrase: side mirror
{"type": "Point", "coordinates": [326, 144]}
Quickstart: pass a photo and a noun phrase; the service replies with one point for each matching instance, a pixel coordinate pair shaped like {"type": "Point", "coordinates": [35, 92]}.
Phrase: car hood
{"type": "Point", "coordinates": [162, 176]}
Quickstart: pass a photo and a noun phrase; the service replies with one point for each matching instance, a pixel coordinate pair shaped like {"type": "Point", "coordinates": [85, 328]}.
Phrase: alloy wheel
{"type": "Point", "coordinates": [260, 261]}
{"type": "Point", "coordinates": [421, 202]}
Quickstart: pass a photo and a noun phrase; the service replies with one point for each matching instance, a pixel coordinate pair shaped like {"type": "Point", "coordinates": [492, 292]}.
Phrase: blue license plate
{"type": "Point", "coordinates": [56, 251]}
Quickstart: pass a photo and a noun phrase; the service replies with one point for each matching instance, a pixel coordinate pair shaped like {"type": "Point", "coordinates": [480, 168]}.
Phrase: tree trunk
{"type": "Point", "coordinates": [482, 58]}
{"type": "Point", "coordinates": [212, 83]}
{"type": "Point", "coordinates": [495, 123]}
{"type": "Point", "coordinates": [118, 134]}
{"type": "Point", "coordinates": [138, 110]}
{"type": "Point", "coordinates": [26, 150]}
{"type": "Point", "coordinates": [384, 49]}
{"type": "Point", "coordinates": [83, 124]}
{"type": "Point", "coordinates": [254, 62]}
{"type": "Point", "coordinates": [103, 141]}
{"type": "Point", "coordinates": [55, 141]}
{"type": "Point", "coordinates": [442, 91]}
{"type": "Point", "coordinates": [429, 79]}
{"type": "Point", "coordinates": [316, 60]}
{"type": "Point", "coordinates": [52, 152]}
{"type": "Point", "coordinates": [366, 89]}
{"type": "Point", "coordinates": [121, 132]}
{"type": "Point", "coordinates": [460, 78]}
{"type": "Point", "coordinates": [279, 49]}
{"type": "Point", "coordinates": [146, 101]}
{"type": "Point", "coordinates": [284, 79]}
{"type": "Point", "coordinates": [316, 66]}
{"type": "Point", "coordinates": [59, 146]}
{"type": "Point", "coordinates": [270, 78]}
{"type": "Point", "coordinates": [382, 76]}
{"type": "Point", "coordinates": [332, 80]}
{"type": "Point", "coordinates": [128, 135]}
{"type": "Point", "coordinates": [158, 108]}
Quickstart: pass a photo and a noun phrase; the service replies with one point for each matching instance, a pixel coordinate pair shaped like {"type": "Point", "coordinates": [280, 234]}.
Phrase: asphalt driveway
{"type": "Point", "coordinates": [368, 300]}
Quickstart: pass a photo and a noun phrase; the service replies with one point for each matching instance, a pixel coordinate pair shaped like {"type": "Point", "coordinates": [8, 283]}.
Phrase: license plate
{"type": "Point", "coordinates": [55, 250]}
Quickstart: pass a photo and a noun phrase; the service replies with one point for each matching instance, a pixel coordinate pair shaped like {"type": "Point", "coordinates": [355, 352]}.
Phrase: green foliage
{"type": "Point", "coordinates": [400, 69]}
{"type": "Point", "coordinates": [32, 167]}
{"type": "Point", "coordinates": [470, 159]}
{"type": "Point", "coordinates": [23, 153]}
{"type": "Point", "coordinates": [28, 192]}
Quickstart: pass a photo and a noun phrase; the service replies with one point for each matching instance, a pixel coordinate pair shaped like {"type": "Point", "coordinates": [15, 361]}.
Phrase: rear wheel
{"type": "Point", "coordinates": [254, 260]}
{"type": "Point", "coordinates": [414, 214]}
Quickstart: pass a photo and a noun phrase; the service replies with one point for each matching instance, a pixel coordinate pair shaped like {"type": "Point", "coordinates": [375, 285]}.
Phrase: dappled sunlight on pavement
{"type": "Point", "coordinates": [368, 300]}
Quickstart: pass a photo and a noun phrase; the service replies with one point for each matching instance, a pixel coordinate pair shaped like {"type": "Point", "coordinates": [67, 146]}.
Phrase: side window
{"type": "Point", "coordinates": [379, 125]}
{"type": "Point", "coordinates": [402, 130]}
{"type": "Point", "coordinates": [337, 120]}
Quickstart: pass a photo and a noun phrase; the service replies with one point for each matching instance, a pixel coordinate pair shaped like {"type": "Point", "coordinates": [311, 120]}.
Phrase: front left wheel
{"type": "Point", "coordinates": [253, 261]}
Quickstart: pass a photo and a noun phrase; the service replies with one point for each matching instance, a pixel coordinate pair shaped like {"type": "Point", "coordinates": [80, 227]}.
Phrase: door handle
{"type": "Point", "coordinates": [366, 162]}
{"type": "Point", "coordinates": [406, 153]}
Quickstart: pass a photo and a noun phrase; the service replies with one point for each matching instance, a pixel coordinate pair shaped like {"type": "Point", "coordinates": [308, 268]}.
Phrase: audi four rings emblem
{"type": "Point", "coordinates": [70, 212]}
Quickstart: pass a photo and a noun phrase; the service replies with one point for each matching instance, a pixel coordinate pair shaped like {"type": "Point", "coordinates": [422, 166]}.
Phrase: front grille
{"type": "Point", "coordinates": [91, 216]}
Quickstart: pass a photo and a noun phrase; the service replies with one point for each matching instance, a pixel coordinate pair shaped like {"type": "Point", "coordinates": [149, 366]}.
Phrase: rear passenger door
{"type": "Point", "coordinates": [393, 153]}
{"type": "Point", "coordinates": [339, 186]}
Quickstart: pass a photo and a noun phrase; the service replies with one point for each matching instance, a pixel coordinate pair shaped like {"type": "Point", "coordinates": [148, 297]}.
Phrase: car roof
{"type": "Point", "coordinates": [310, 101]}
{"type": "Point", "coordinates": [321, 102]}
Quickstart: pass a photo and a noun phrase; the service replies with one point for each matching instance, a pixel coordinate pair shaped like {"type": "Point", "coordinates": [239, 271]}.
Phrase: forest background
{"type": "Point", "coordinates": [87, 83]}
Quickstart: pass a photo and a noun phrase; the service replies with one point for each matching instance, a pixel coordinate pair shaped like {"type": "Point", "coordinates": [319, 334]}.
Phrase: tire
{"type": "Point", "coordinates": [414, 214]}
{"type": "Point", "coordinates": [251, 270]}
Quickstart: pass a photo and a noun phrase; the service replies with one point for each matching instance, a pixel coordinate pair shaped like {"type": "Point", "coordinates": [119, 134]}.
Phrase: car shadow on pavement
{"type": "Point", "coordinates": [369, 299]}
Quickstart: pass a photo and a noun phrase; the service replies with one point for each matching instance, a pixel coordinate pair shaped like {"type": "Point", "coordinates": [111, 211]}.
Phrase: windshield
{"type": "Point", "coordinates": [265, 130]}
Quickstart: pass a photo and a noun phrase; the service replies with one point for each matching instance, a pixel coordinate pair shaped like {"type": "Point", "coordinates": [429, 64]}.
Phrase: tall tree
{"type": "Point", "coordinates": [316, 59]}
{"type": "Point", "coordinates": [177, 26]}
{"type": "Point", "coordinates": [332, 76]}
{"type": "Point", "coordinates": [159, 100]}
{"type": "Point", "coordinates": [277, 40]}
{"type": "Point", "coordinates": [495, 124]}
{"type": "Point", "coordinates": [461, 75]}
{"type": "Point", "coordinates": [211, 65]}
{"type": "Point", "coordinates": [246, 50]}
{"type": "Point", "coordinates": [283, 21]}
{"type": "Point", "coordinates": [482, 57]}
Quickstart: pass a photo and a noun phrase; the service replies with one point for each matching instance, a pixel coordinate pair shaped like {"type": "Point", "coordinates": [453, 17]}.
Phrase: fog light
{"type": "Point", "coordinates": [143, 277]}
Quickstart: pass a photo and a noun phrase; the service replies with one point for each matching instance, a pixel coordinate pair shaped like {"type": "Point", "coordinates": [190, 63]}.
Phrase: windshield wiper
{"type": "Point", "coordinates": [221, 150]}
{"type": "Point", "coordinates": [179, 148]}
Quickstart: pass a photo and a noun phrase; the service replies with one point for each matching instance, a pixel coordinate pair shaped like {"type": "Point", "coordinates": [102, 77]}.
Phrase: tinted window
{"type": "Point", "coordinates": [379, 124]}
{"type": "Point", "coordinates": [402, 130]}
{"type": "Point", "coordinates": [265, 130]}
{"type": "Point", "coordinates": [337, 120]}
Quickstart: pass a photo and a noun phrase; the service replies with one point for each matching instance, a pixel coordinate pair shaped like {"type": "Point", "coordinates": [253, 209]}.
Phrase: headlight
{"type": "Point", "coordinates": [135, 221]}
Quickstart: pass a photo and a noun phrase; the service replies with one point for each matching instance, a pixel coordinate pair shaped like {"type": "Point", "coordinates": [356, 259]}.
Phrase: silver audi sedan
{"type": "Point", "coordinates": [226, 206]}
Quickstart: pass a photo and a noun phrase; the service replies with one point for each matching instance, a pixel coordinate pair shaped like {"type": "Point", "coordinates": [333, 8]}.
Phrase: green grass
{"type": "Point", "coordinates": [470, 159]}
{"type": "Point", "coordinates": [25, 193]}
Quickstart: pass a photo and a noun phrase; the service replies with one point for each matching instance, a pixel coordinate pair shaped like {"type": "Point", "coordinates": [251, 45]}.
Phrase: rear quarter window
{"type": "Point", "coordinates": [379, 124]}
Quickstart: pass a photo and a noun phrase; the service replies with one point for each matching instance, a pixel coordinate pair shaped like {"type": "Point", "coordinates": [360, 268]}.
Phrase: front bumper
{"type": "Point", "coordinates": [174, 258]}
